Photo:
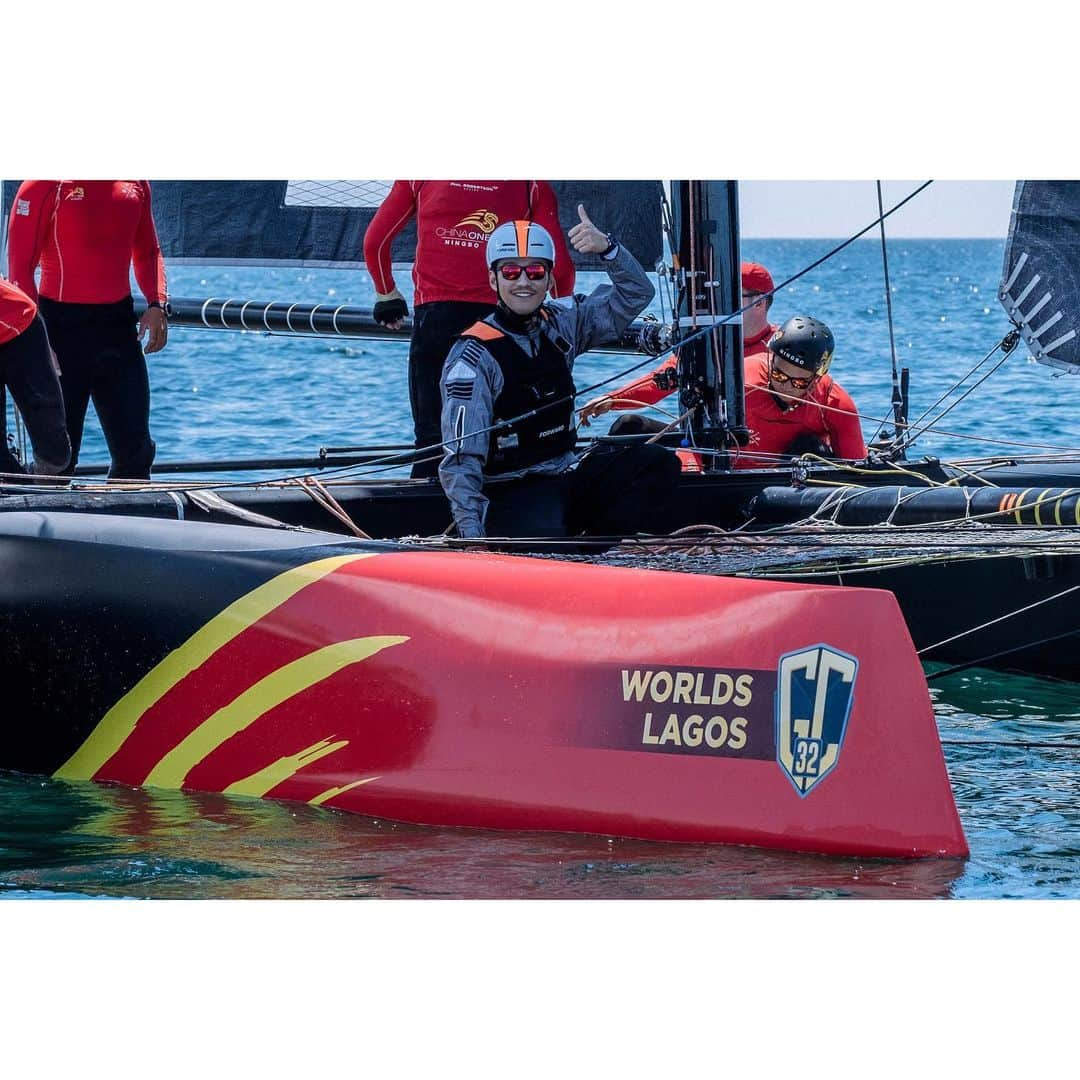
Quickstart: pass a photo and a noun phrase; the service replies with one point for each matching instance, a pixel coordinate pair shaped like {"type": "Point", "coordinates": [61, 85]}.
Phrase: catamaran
{"type": "Point", "coordinates": [980, 554]}
{"type": "Point", "coordinates": [246, 648]}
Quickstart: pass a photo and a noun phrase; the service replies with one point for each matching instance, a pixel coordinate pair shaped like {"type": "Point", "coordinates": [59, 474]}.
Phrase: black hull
{"type": "Point", "coordinates": [940, 601]}
{"type": "Point", "coordinates": [944, 594]}
{"type": "Point", "coordinates": [388, 509]}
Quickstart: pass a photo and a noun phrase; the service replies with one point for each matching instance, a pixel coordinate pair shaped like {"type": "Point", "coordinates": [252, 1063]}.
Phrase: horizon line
{"type": "Point", "coordinates": [874, 238]}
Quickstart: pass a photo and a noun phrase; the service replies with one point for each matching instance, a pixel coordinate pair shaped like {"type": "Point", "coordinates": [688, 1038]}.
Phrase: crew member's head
{"type": "Point", "coordinates": [757, 287]}
{"type": "Point", "coordinates": [799, 353]}
{"type": "Point", "coordinates": [520, 255]}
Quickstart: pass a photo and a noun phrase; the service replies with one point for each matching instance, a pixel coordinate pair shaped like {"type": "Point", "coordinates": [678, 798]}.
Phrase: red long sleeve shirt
{"type": "Point", "coordinates": [454, 219]}
{"type": "Point", "coordinates": [644, 391]}
{"type": "Point", "coordinates": [17, 311]}
{"type": "Point", "coordinates": [85, 235]}
{"type": "Point", "coordinates": [772, 428]}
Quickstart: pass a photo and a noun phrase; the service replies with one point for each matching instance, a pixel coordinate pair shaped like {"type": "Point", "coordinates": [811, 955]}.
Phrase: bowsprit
{"type": "Point", "coordinates": [815, 691]}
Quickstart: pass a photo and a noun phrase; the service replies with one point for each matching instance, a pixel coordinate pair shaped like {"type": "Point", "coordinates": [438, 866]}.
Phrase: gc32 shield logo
{"type": "Point", "coordinates": [815, 689]}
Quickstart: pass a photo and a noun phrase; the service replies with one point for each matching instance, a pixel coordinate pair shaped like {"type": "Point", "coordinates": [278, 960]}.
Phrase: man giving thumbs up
{"type": "Point", "coordinates": [508, 399]}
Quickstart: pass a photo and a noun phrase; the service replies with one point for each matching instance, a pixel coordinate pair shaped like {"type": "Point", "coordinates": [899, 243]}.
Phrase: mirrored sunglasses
{"type": "Point", "coordinates": [534, 271]}
{"type": "Point", "coordinates": [797, 381]}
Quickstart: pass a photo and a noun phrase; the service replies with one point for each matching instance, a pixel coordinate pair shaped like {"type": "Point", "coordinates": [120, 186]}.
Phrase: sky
{"type": "Point", "coordinates": [839, 208]}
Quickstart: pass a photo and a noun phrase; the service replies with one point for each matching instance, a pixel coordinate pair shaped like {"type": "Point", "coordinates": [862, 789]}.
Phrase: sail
{"type": "Point", "coordinates": [322, 222]}
{"type": "Point", "coordinates": [1040, 279]}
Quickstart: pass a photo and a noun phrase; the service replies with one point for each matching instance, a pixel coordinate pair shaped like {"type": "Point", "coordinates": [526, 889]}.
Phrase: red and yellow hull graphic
{"type": "Point", "coordinates": [244, 665]}
{"type": "Point", "coordinates": [496, 692]}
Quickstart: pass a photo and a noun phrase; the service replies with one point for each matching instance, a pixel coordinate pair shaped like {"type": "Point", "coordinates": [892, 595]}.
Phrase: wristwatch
{"type": "Point", "coordinates": [612, 244]}
{"type": "Point", "coordinates": [166, 307]}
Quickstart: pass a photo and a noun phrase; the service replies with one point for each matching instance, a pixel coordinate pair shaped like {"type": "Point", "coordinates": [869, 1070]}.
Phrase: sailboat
{"type": "Point", "coordinates": [931, 532]}
{"type": "Point", "coordinates": [246, 648]}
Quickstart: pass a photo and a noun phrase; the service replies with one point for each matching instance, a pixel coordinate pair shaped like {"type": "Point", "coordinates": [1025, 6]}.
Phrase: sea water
{"type": "Point", "coordinates": [1012, 744]}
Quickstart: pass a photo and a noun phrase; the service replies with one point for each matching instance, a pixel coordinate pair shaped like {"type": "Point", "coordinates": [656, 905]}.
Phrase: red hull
{"type": "Point", "coordinates": [498, 692]}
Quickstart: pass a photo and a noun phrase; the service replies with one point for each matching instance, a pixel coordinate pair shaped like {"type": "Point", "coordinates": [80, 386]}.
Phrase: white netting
{"type": "Point", "coordinates": [347, 193]}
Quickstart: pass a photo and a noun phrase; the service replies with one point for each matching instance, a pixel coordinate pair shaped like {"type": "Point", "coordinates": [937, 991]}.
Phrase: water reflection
{"type": "Point", "coordinates": [116, 841]}
{"type": "Point", "coordinates": [1019, 803]}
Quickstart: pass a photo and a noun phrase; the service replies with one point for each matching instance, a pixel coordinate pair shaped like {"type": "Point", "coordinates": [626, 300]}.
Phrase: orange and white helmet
{"type": "Point", "coordinates": [520, 240]}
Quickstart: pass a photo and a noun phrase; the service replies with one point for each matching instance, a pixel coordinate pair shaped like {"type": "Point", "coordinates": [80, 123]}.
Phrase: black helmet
{"type": "Point", "coordinates": [805, 342]}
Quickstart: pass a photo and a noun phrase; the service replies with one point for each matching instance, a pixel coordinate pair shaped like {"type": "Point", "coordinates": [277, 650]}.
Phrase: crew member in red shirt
{"type": "Point", "coordinates": [757, 289]}
{"type": "Point", "coordinates": [86, 235]}
{"type": "Point", "coordinates": [28, 369]}
{"type": "Point", "coordinates": [454, 219]}
{"type": "Point", "coordinates": [792, 405]}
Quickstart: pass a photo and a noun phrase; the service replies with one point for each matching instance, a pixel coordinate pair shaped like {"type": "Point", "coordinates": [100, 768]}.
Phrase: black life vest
{"type": "Point", "coordinates": [529, 382]}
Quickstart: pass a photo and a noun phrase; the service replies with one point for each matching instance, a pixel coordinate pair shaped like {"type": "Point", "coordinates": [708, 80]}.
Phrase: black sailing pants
{"type": "Point", "coordinates": [101, 360]}
{"type": "Point", "coordinates": [25, 367]}
{"type": "Point", "coordinates": [435, 326]}
{"type": "Point", "coordinates": [617, 489]}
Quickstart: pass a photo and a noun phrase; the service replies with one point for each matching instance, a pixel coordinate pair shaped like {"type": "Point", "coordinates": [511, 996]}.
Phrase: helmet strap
{"type": "Point", "coordinates": [516, 324]}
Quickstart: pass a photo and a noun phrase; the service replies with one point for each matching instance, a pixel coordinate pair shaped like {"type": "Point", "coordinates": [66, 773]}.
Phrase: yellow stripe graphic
{"type": "Point", "coordinates": [1058, 503]}
{"type": "Point", "coordinates": [266, 694]}
{"type": "Point", "coordinates": [119, 722]}
{"type": "Point", "coordinates": [259, 783]}
{"type": "Point", "coordinates": [1038, 506]}
{"type": "Point", "coordinates": [333, 792]}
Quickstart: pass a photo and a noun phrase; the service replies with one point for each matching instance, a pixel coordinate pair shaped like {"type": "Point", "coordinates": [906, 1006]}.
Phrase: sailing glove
{"type": "Point", "coordinates": [390, 309]}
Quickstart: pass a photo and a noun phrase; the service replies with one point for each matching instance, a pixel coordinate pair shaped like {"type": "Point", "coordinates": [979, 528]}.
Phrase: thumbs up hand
{"type": "Point", "coordinates": [586, 237]}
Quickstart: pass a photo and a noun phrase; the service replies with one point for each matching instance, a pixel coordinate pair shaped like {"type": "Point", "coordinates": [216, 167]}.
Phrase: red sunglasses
{"type": "Point", "coordinates": [534, 271]}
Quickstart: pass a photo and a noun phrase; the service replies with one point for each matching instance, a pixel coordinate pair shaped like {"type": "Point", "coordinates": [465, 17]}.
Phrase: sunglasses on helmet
{"type": "Point", "coordinates": [797, 381]}
{"type": "Point", "coordinates": [512, 271]}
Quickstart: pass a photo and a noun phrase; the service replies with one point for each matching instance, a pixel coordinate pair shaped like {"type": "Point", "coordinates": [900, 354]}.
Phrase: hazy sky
{"type": "Point", "coordinates": [835, 208]}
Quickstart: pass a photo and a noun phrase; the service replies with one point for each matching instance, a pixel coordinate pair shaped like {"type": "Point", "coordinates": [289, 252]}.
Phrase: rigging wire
{"type": "Point", "coordinates": [998, 655]}
{"type": "Point", "coordinates": [398, 460]}
{"type": "Point", "coordinates": [1008, 343]}
{"type": "Point", "coordinates": [376, 466]}
{"type": "Point", "coordinates": [897, 398]}
{"type": "Point", "coordinates": [844, 244]}
{"type": "Point", "coordinates": [1000, 619]}
{"type": "Point", "coordinates": [394, 461]}
{"type": "Point", "coordinates": [934, 430]}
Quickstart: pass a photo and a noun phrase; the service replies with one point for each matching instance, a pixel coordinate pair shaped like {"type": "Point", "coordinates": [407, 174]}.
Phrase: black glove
{"type": "Point", "coordinates": [666, 379]}
{"type": "Point", "coordinates": [388, 311]}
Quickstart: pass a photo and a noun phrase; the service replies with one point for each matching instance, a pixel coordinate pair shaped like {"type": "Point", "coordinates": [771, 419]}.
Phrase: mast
{"type": "Point", "coordinates": [705, 251]}
{"type": "Point", "coordinates": [3, 229]}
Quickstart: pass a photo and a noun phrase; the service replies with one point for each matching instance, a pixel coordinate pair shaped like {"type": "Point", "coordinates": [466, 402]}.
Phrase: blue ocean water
{"type": "Point", "coordinates": [222, 394]}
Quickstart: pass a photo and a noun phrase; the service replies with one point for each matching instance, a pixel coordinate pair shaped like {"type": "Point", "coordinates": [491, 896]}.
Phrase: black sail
{"type": "Point", "coordinates": [322, 222]}
{"type": "Point", "coordinates": [1040, 279]}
